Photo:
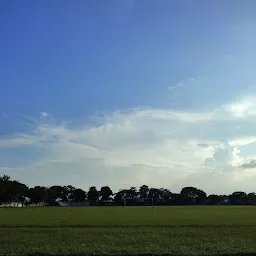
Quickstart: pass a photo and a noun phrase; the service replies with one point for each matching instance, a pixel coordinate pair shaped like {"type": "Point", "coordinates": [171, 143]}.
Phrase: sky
{"type": "Point", "coordinates": [129, 92]}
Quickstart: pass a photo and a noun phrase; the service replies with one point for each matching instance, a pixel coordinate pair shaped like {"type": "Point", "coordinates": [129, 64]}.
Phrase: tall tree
{"type": "Point", "coordinates": [237, 197]}
{"type": "Point", "coordinates": [37, 194]}
{"type": "Point", "coordinates": [132, 192]}
{"type": "Point", "coordinates": [53, 193]}
{"type": "Point", "coordinates": [12, 190]}
{"type": "Point", "coordinates": [119, 198]}
{"type": "Point", "coordinates": [155, 194]}
{"type": "Point", "coordinates": [16, 191]}
{"type": "Point", "coordinates": [4, 183]}
{"type": "Point", "coordinates": [251, 199]}
{"type": "Point", "coordinates": [144, 189]}
{"type": "Point", "coordinates": [67, 193]}
{"type": "Point", "coordinates": [105, 193]}
{"type": "Point", "coordinates": [201, 197]}
{"type": "Point", "coordinates": [166, 194]}
{"type": "Point", "coordinates": [78, 195]}
{"type": "Point", "coordinates": [192, 195]}
{"type": "Point", "coordinates": [213, 199]}
{"type": "Point", "coordinates": [177, 199]}
{"type": "Point", "coordinates": [93, 195]}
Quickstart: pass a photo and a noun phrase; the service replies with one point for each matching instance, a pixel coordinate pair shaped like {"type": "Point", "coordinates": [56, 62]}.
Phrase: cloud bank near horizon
{"type": "Point", "coordinates": [213, 150]}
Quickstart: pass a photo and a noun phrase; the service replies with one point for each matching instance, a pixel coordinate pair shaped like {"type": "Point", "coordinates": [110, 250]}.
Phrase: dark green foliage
{"type": "Point", "coordinates": [105, 193]}
{"type": "Point", "coordinates": [93, 195]}
{"type": "Point", "coordinates": [11, 190]}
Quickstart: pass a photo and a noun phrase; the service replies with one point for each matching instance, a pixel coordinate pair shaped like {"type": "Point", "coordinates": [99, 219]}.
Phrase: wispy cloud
{"type": "Point", "coordinates": [160, 147]}
{"type": "Point", "coordinates": [43, 114]}
{"type": "Point", "coordinates": [189, 82]}
{"type": "Point", "coordinates": [171, 88]}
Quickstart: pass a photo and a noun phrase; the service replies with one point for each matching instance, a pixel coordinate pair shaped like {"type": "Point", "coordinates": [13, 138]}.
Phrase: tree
{"type": "Point", "coordinates": [12, 190]}
{"type": "Point", "coordinates": [16, 191]}
{"type": "Point", "coordinates": [105, 193]}
{"type": "Point", "coordinates": [93, 195]}
{"type": "Point", "coordinates": [5, 178]}
{"type": "Point", "coordinates": [37, 194]}
{"type": "Point", "coordinates": [250, 198]}
{"type": "Point", "coordinates": [237, 197]}
{"type": "Point", "coordinates": [67, 193]}
{"type": "Point", "coordinates": [78, 195]}
{"type": "Point", "coordinates": [177, 199]}
{"type": "Point", "coordinates": [119, 198]}
{"type": "Point", "coordinates": [192, 195]}
{"type": "Point", "coordinates": [53, 193]}
{"type": "Point", "coordinates": [155, 194]}
{"type": "Point", "coordinates": [4, 182]}
{"type": "Point", "coordinates": [201, 197]}
{"type": "Point", "coordinates": [132, 193]}
{"type": "Point", "coordinates": [143, 191]}
{"type": "Point", "coordinates": [213, 199]}
{"type": "Point", "coordinates": [165, 194]}
{"type": "Point", "coordinates": [188, 195]}
{"type": "Point", "coordinates": [129, 196]}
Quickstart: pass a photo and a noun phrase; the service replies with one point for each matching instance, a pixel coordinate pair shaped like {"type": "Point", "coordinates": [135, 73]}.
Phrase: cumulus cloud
{"type": "Point", "coordinates": [225, 158]}
{"type": "Point", "coordinates": [158, 147]}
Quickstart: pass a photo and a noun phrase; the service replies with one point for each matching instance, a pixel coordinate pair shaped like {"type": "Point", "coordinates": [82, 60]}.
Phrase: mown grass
{"type": "Point", "coordinates": [128, 231]}
{"type": "Point", "coordinates": [87, 216]}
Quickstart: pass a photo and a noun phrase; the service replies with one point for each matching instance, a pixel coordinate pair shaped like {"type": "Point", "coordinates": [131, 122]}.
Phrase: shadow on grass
{"type": "Point", "coordinates": [123, 226]}
{"type": "Point", "coordinates": [146, 254]}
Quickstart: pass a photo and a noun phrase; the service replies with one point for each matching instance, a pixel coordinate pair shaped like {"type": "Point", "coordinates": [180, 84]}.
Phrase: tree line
{"type": "Point", "coordinates": [15, 191]}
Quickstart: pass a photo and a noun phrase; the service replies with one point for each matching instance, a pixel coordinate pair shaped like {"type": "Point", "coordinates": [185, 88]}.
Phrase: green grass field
{"type": "Point", "coordinates": [198, 230]}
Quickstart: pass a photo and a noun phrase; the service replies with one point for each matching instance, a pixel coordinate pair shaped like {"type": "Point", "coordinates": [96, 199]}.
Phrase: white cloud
{"type": "Point", "coordinates": [242, 108]}
{"type": "Point", "coordinates": [225, 158]}
{"type": "Point", "coordinates": [17, 140]}
{"type": "Point", "coordinates": [170, 88]}
{"type": "Point", "coordinates": [159, 147]}
{"type": "Point", "coordinates": [43, 115]}
{"type": "Point", "coordinates": [243, 141]}
{"type": "Point", "coordinates": [189, 82]}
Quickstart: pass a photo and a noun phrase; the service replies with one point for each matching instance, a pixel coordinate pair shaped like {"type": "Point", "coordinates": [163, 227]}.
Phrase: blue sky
{"type": "Point", "coordinates": [126, 92]}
